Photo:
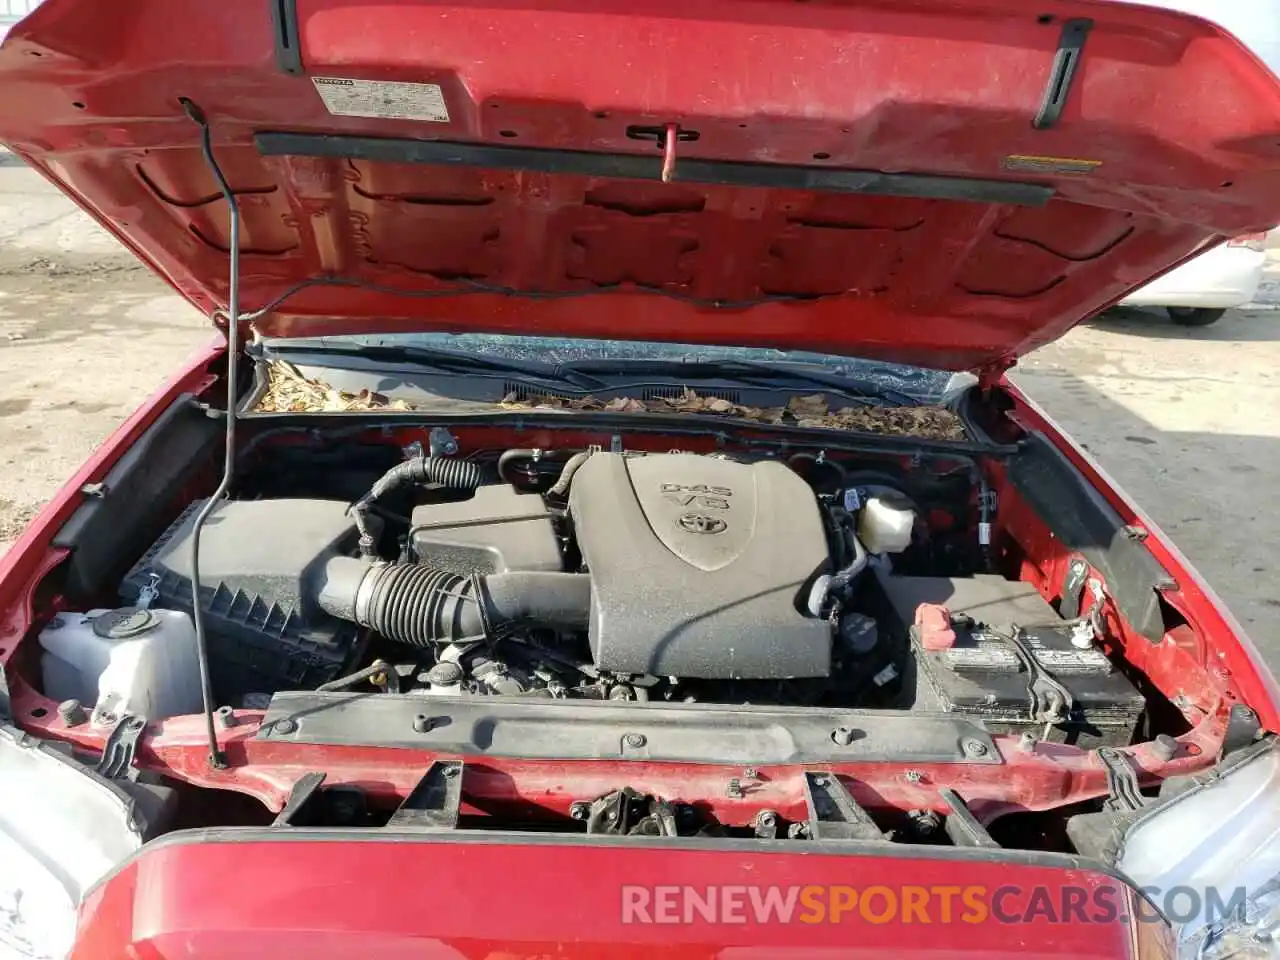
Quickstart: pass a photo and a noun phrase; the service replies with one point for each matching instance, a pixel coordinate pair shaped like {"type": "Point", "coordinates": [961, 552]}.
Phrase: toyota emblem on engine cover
{"type": "Point", "coordinates": [702, 523]}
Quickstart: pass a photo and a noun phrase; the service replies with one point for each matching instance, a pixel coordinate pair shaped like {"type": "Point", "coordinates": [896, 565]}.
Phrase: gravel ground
{"type": "Point", "coordinates": [1187, 420]}
{"type": "Point", "coordinates": [85, 334]}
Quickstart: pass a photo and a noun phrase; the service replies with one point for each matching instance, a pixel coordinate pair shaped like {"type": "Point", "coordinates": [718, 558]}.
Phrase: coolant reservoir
{"type": "Point", "coordinates": [128, 660]}
{"type": "Point", "coordinates": [884, 526]}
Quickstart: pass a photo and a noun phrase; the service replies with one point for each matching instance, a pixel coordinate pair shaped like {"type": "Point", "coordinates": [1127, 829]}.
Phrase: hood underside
{"type": "Point", "coordinates": [950, 184]}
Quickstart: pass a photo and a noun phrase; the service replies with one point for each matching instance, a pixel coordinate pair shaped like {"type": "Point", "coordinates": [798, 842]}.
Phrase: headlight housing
{"type": "Point", "coordinates": [62, 828]}
{"type": "Point", "coordinates": [1212, 856]}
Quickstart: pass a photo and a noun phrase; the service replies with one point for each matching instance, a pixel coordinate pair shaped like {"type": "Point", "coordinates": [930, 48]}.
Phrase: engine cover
{"type": "Point", "coordinates": [701, 567]}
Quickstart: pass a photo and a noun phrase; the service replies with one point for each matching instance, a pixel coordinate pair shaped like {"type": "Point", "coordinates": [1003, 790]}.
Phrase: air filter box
{"type": "Point", "coordinates": [257, 558]}
{"type": "Point", "coordinates": [499, 529]}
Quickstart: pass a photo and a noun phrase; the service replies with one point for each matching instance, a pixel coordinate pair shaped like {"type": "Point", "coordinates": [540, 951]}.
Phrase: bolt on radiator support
{"type": "Point", "coordinates": [232, 315]}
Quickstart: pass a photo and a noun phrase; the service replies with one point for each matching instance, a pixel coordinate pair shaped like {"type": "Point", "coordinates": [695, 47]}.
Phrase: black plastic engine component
{"type": "Point", "coordinates": [258, 563]}
{"type": "Point", "coordinates": [119, 517]}
{"type": "Point", "coordinates": [701, 567]}
{"type": "Point", "coordinates": [443, 471]}
{"type": "Point", "coordinates": [497, 530]}
{"type": "Point", "coordinates": [982, 675]}
{"type": "Point", "coordinates": [421, 606]}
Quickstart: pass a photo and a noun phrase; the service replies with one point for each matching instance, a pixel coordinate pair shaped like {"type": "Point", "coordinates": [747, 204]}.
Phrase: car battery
{"type": "Point", "coordinates": [962, 659]}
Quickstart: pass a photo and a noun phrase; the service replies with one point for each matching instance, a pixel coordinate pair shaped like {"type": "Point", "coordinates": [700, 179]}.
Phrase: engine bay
{"type": "Point", "coordinates": [742, 613]}
{"type": "Point", "coordinates": [785, 568]}
{"type": "Point", "coordinates": [638, 577]}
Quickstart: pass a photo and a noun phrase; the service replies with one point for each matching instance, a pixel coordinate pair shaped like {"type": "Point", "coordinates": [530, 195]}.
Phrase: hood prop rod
{"type": "Point", "coordinates": [670, 136]}
{"type": "Point", "coordinates": [232, 315]}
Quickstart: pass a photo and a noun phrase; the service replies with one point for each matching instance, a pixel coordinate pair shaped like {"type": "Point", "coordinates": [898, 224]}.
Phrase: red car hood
{"type": "Point", "coordinates": [946, 183]}
{"type": "Point", "coordinates": [449, 898]}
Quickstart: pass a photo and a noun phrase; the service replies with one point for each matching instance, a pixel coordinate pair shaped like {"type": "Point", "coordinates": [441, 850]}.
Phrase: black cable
{"type": "Point", "coordinates": [232, 314]}
{"type": "Point", "coordinates": [1051, 701]}
{"type": "Point", "coordinates": [381, 673]}
{"type": "Point", "coordinates": [452, 473]}
{"type": "Point", "coordinates": [507, 457]}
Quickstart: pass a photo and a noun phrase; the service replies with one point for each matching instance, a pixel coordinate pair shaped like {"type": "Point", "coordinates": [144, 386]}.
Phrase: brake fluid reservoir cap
{"type": "Point", "coordinates": [125, 623]}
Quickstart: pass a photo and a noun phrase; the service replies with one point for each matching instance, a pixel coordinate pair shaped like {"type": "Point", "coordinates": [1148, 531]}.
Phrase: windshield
{"type": "Point", "coordinates": [924, 384]}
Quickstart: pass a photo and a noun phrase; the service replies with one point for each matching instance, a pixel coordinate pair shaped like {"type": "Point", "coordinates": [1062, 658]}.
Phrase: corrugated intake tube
{"type": "Point", "coordinates": [422, 606]}
{"type": "Point", "coordinates": [446, 471]}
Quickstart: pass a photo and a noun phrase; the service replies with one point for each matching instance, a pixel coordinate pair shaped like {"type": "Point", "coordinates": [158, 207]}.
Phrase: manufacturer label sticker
{"type": "Point", "coordinates": [388, 100]}
{"type": "Point", "coordinates": [1033, 164]}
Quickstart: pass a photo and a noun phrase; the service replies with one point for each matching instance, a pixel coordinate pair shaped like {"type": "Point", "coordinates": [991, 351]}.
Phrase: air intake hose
{"type": "Point", "coordinates": [422, 606]}
{"type": "Point", "coordinates": [447, 471]}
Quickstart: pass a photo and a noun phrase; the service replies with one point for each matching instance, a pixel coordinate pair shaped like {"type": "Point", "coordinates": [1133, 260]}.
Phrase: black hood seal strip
{"type": "Point", "coordinates": [642, 167]}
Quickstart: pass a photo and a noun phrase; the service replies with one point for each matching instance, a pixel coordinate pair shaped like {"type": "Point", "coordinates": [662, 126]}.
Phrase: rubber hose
{"type": "Point", "coordinates": [367, 538]}
{"type": "Point", "coordinates": [423, 606]}
{"type": "Point", "coordinates": [391, 679]}
{"type": "Point", "coordinates": [571, 466]}
{"type": "Point", "coordinates": [842, 578]}
{"type": "Point", "coordinates": [507, 458]}
{"type": "Point", "coordinates": [447, 471]}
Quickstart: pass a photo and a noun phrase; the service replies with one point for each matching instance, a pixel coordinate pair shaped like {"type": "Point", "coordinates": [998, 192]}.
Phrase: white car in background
{"type": "Point", "coordinates": [11, 11]}
{"type": "Point", "coordinates": [1202, 290]}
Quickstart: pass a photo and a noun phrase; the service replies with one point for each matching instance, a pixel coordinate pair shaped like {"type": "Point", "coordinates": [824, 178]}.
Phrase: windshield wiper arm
{"type": "Point", "coordinates": [435, 358]}
{"type": "Point", "coordinates": [759, 373]}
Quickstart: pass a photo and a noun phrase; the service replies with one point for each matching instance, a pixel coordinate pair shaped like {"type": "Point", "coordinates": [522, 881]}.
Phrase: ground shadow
{"type": "Point", "coordinates": [1250, 325]}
